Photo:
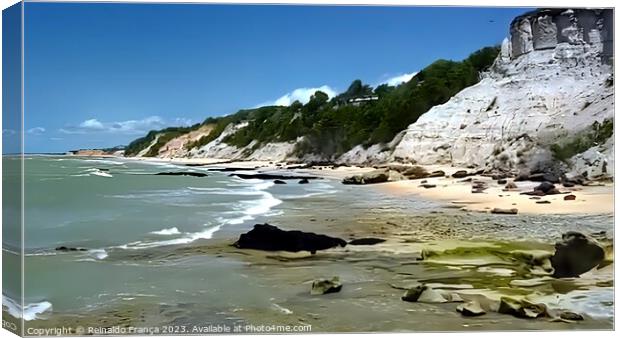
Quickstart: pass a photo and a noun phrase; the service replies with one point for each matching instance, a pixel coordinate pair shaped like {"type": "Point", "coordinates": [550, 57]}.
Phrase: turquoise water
{"type": "Point", "coordinates": [118, 206]}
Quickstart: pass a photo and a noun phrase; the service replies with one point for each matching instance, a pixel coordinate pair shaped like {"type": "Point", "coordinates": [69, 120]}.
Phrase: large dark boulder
{"type": "Point", "coordinates": [576, 254]}
{"type": "Point", "coordinates": [270, 238]}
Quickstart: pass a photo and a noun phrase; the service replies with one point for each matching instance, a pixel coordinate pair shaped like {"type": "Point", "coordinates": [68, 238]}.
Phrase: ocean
{"type": "Point", "coordinates": [115, 205]}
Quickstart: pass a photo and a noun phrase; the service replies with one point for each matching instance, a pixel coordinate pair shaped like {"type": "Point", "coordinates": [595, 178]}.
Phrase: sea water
{"type": "Point", "coordinates": [104, 205]}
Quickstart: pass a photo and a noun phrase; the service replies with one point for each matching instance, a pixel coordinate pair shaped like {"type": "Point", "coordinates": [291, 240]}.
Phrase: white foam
{"type": "Point", "coordinates": [105, 162]}
{"type": "Point", "coordinates": [98, 253]}
{"type": "Point", "coordinates": [249, 210]}
{"type": "Point", "coordinates": [101, 173]}
{"type": "Point", "coordinates": [29, 312]}
{"type": "Point", "coordinates": [167, 232]}
{"type": "Point", "coordinates": [262, 205]}
{"type": "Point", "coordinates": [206, 234]}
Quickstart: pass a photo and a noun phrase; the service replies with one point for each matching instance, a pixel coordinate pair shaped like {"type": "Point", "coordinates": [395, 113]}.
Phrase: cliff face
{"type": "Point", "coordinates": [551, 81]}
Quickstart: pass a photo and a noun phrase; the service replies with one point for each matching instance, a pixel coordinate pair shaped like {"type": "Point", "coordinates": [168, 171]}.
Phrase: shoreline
{"type": "Point", "coordinates": [456, 193]}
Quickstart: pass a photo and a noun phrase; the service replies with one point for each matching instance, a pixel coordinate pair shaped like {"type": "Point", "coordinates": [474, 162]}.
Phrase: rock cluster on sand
{"type": "Point", "coordinates": [376, 176]}
{"type": "Point", "coordinates": [269, 238]}
{"type": "Point", "coordinates": [543, 189]}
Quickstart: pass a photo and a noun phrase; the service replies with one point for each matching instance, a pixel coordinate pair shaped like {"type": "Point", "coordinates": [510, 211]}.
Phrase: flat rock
{"type": "Point", "coordinates": [512, 211]}
{"type": "Point", "coordinates": [366, 241]}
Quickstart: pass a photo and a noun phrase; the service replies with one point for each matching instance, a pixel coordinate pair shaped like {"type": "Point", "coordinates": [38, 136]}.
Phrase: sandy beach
{"type": "Point", "coordinates": [596, 198]}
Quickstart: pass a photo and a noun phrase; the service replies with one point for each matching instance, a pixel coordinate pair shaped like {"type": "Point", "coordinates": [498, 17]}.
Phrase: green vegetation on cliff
{"type": "Point", "coordinates": [332, 127]}
{"type": "Point", "coordinates": [596, 134]}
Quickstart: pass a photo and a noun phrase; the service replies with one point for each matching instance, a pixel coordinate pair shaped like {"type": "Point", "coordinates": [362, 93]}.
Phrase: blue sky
{"type": "Point", "coordinates": [99, 75]}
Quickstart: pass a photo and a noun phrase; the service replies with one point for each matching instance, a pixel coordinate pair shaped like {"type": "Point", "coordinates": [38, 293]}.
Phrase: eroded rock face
{"type": "Point", "coordinates": [544, 29]}
{"type": "Point", "coordinates": [551, 80]}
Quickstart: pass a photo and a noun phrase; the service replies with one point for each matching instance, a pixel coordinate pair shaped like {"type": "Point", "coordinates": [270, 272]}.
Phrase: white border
{"type": "Point", "coordinates": [471, 3]}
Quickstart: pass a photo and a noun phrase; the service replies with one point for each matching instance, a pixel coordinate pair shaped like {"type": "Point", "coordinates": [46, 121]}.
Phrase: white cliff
{"type": "Point", "coordinates": [552, 79]}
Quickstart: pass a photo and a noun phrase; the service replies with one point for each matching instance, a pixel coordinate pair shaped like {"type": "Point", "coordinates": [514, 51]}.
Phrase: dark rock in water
{"type": "Point", "coordinates": [376, 176]}
{"type": "Point", "coordinates": [264, 176]}
{"type": "Point", "coordinates": [303, 181]}
{"type": "Point", "coordinates": [502, 181]}
{"type": "Point", "coordinates": [182, 173]}
{"type": "Point", "coordinates": [470, 309]}
{"type": "Point", "coordinates": [512, 211]}
{"type": "Point", "coordinates": [279, 182]}
{"type": "Point", "coordinates": [269, 238]}
{"type": "Point", "coordinates": [366, 241]}
{"type": "Point", "coordinates": [428, 186]}
{"type": "Point", "coordinates": [64, 248]}
{"type": "Point", "coordinates": [103, 169]}
{"type": "Point", "coordinates": [567, 315]}
{"type": "Point", "coordinates": [576, 254]}
{"type": "Point", "coordinates": [460, 174]}
{"type": "Point", "coordinates": [543, 202]}
{"type": "Point", "coordinates": [324, 286]}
